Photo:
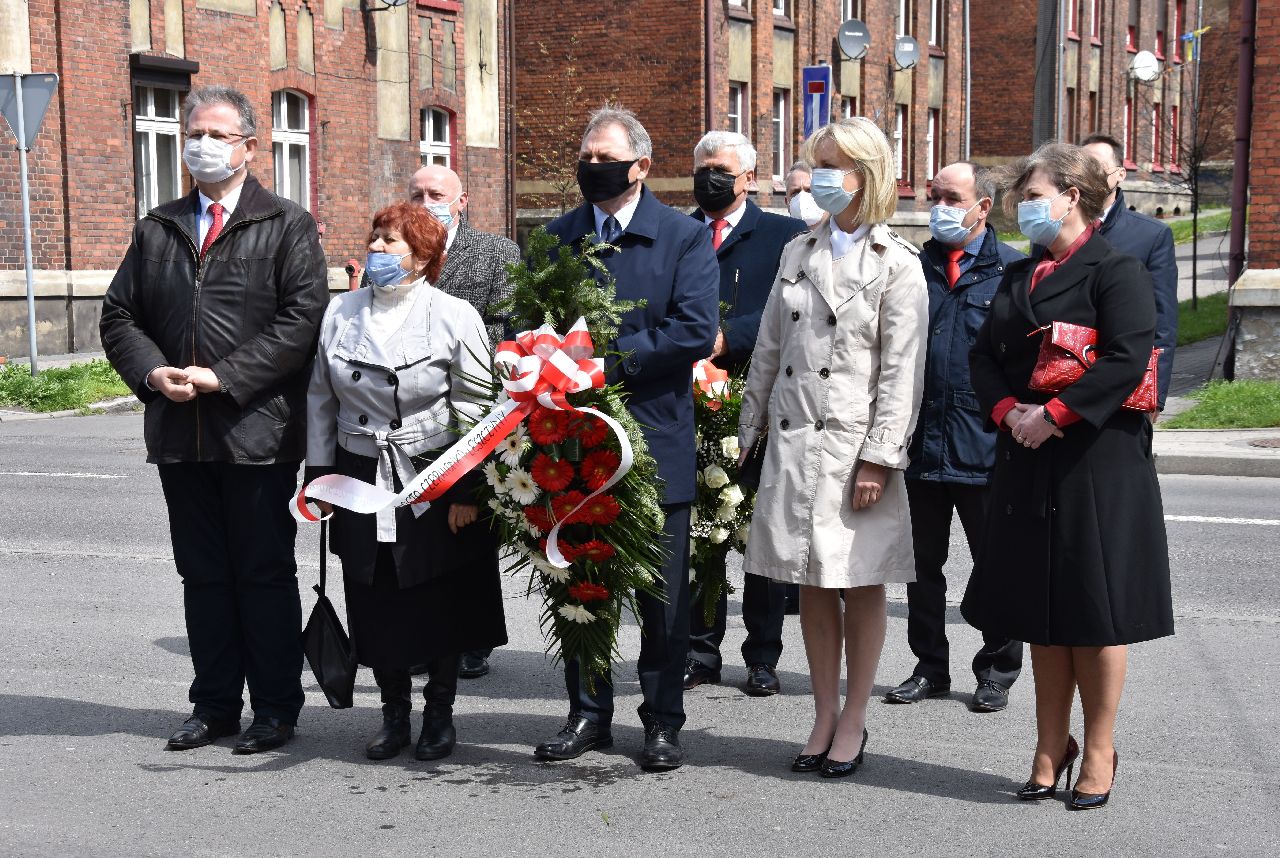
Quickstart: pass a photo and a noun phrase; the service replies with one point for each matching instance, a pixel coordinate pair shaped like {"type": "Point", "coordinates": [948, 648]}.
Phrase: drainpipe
{"type": "Point", "coordinates": [968, 75]}
{"type": "Point", "coordinates": [708, 53]}
{"type": "Point", "coordinates": [510, 15]}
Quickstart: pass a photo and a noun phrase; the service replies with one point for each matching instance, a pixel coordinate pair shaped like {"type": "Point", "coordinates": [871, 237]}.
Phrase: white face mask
{"type": "Point", "coordinates": [209, 159]}
{"type": "Point", "coordinates": [804, 207]}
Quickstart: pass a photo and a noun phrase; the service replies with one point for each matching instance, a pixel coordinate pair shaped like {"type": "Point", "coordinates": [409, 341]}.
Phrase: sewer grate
{"type": "Point", "coordinates": [1265, 442]}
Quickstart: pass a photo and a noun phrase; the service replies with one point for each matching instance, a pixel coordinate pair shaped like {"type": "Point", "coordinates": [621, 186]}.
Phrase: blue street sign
{"type": "Point", "coordinates": [815, 82]}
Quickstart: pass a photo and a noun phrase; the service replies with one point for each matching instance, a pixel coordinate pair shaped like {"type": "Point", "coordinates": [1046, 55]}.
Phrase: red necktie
{"type": "Point", "coordinates": [216, 210]}
{"type": "Point", "coordinates": [953, 265]}
{"type": "Point", "coordinates": [717, 236]}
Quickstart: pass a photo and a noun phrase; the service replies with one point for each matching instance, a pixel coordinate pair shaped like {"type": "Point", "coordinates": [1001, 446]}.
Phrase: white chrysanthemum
{"type": "Point", "coordinates": [731, 496]}
{"type": "Point", "coordinates": [496, 506]}
{"type": "Point", "coordinates": [560, 576]}
{"type": "Point", "coordinates": [729, 446]}
{"type": "Point", "coordinates": [718, 535]}
{"type": "Point", "coordinates": [493, 476]}
{"type": "Point", "coordinates": [576, 614]}
{"type": "Point", "coordinates": [521, 486]}
{"type": "Point", "coordinates": [743, 533]}
{"type": "Point", "coordinates": [716, 477]}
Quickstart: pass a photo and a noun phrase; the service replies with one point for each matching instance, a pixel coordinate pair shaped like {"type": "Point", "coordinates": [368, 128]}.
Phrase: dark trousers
{"type": "Point", "coordinates": [439, 692]}
{"type": "Point", "coordinates": [233, 545]}
{"type": "Point", "coordinates": [664, 640]}
{"type": "Point", "coordinates": [764, 607]}
{"type": "Point", "coordinates": [999, 660]}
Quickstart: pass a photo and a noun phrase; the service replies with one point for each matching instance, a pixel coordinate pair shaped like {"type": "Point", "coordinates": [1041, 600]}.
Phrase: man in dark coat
{"type": "Point", "coordinates": [1147, 240]}
{"type": "Point", "coordinates": [952, 452]}
{"type": "Point", "coordinates": [212, 319]}
{"type": "Point", "coordinates": [475, 270]}
{"type": "Point", "coordinates": [748, 244]}
{"type": "Point", "coordinates": [666, 259]}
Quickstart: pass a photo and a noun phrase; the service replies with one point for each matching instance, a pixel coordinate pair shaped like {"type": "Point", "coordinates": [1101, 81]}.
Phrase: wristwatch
{"type": "Point", "coordinates": [1048, 418]}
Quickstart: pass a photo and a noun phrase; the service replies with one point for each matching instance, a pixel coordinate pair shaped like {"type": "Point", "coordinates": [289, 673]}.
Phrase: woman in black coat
{"type": "Point", "coordinates": [1075, 560]}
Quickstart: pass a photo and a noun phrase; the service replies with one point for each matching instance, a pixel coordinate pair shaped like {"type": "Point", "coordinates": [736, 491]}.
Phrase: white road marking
{"type": "Point", "coordinates": [73, 475]}
{"type": "Point", "coordinates": [1213, 519]}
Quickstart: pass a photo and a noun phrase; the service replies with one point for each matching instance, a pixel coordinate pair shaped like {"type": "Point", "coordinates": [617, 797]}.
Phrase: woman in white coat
{"type": "Point", "coordinates": [835, 381]}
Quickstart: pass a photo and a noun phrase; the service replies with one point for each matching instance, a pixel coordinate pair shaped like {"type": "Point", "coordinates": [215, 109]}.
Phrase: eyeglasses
{"type": "Point", "coordinates": [216, 135]}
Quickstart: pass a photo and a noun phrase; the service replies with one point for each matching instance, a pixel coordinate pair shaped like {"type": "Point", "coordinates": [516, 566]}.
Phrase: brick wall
{"type": "Point", "coordinates": [1264, 162]}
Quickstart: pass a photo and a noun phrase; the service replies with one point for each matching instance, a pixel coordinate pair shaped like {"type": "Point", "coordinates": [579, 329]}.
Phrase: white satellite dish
{"type": "Point", "coordinates": [1145, 67]}
{"type": "Point", "coordinates": [853, 39]}
{"type": "Point", "coordinates": [906, 52]}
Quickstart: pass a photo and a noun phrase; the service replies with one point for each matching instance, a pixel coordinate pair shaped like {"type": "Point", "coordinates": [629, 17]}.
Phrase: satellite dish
{"type": "Point", "coordinates": [853, 39]}
{"type": "Point", "coordinates": [391, 4]}
{"type": "Point", "coordinates": [906, 52]}
{"type": "Point", "coordinates": [1145, 67]}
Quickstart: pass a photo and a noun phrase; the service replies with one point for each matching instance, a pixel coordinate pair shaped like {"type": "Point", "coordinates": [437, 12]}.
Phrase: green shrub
{"type": "Point", "coordinates": [1231, 405]}
{"type": "Point", "coordinates": [60, 388]}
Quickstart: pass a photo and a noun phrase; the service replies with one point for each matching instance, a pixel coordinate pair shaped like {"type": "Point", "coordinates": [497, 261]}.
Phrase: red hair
{"type": "Point", "coordinates": [420, 230]}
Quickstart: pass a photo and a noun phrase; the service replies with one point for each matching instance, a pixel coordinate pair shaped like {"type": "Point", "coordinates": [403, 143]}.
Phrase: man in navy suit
{"type": "Point", "coordinates": [748, 244]}
{"type": "Point", "coordinates": [666, 259]}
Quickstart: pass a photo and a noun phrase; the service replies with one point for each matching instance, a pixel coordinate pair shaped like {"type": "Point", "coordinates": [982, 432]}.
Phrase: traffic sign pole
{"type": "Point", "coordinates": [26, 221]}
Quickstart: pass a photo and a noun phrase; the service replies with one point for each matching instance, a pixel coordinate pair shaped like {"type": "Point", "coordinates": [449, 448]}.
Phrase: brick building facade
{"type": "Point", "coordinates": [1059, 69]}
{"type": "Point", "coordinates": [350, 98]}
{"type": "Point", "coordinates": [649, 55]}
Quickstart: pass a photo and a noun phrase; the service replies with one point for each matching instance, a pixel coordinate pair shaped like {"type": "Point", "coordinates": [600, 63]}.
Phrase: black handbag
{"type": "Point", "coordinates": [749, 472]}
{"type": "Point", "coordinates": [325, 641]}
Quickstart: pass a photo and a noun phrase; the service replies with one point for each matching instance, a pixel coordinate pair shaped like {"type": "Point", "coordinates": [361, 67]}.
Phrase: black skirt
{"type": "Point", "coordinates": [394, 628]}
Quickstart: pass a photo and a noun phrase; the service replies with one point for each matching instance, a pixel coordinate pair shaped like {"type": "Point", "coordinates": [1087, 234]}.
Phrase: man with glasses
{"type": "Point", "coordinates": [212, 319]}
{"type": "Point", "coordinates": [748, 244]}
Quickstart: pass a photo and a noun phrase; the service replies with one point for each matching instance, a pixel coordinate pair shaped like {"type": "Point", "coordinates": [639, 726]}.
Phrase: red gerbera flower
{"type": "Point", "coordinates": [590, 430]}
{"type": "Point", "coordinates": [596, 551]}
{"type": "Point", "coordinates": [539, 517]}
{"type": "Point", "coordinates": [563, 504]}
{"type": "Point", "coordinates": [601, 510]}
{"type": "Point", "coordinates": [585, 591]}
{"type": "Point", "coordinates": [547, 426]}
{"type": "Point", "coordinates": [570, 551]}
{"type": "Point", "coordinates": [551, 475]}
{"type": "Point", "coordinates": [598, 466]}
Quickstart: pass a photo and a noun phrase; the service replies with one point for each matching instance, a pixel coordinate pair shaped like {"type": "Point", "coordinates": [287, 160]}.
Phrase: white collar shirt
{"type": "Point", "coordinates": [733, 217]}
{"type": "Point", "coordinates": [204, 220]}
{"type": "Point", "coordinates": [624, 215]}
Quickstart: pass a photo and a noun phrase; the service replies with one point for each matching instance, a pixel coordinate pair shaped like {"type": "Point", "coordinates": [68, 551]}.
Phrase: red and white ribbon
{"type": "Point", "coordinates": [539, 368]}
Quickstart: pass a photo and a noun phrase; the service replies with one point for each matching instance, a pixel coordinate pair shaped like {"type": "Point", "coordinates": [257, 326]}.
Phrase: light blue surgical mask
{"type": "Point", "coordinates": [441, 211]}
{"type": "Point", "coordinates": [946, 224]}
{"type": "Point", "coordinates": [384, 269]}
{"type": "Point", "coordinates": [1035, 220]}
{"type": "Point", "coordinates": [827, 187]}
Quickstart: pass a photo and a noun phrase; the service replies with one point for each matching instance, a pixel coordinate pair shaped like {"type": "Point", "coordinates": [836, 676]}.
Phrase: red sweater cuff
{"type": "Point", "coordinates": [1061, 413]}
{"type": "Point", "coordinates": [1003, 407]}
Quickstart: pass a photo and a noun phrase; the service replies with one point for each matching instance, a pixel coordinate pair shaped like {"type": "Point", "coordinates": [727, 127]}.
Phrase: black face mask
{"type": "Point", "coordinates": [603, 181]}
{"type": "Point", "coordinates": [714, 191]}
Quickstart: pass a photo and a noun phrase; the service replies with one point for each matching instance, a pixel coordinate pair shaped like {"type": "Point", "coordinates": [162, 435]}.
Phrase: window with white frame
{"type": "Point", "coordinates": [848, 106]}
{"type": "Point", "coordinates": [851, 9]}
{"type": "Point", "coordinates": [906, 13]}
{"type": "Point", "coordinates": [1073, 16]}
{"type": "Point", "coordinates": [736, 118]}
{"type": "Point", "coordinates": [291, 145]}
{"type": "Point", "coordinates": [437, 136]}
{"type": "Point", "coordinates": [1095, 20]}
{"type": "Point", "coordinates": [933, 144]}
{"type": "Point", "coordinates": [737, 2]}
{"type": "Point", "coordinates": [781, 126]}
{"type": "Point", "coordinates": [782, 7]}
{"type": "Point", "coordinates": [157, 147]}
{"type": "Point", "coordinates": [899, 142]}
{"type": "Point", "coordinates": [937, 23]}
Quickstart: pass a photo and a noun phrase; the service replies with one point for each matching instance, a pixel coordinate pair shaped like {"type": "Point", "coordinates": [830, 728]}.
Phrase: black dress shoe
{"type": "Point", "coordinates": [810, 762]}
{"type": "Point", "coordinates": [394, 735]}
{"type": "Point", "coordinates": [661, 748]}
{"type": "Point", "coordinates": [264, 734]}
{"type": "Point", "coordinates": [578, 736]}
{"type": "Point", "coordinates": [762, 680]}
{"type": "Point", "coordinates": [438, 734]}
{"type": "Point", "coordinates": [696, 673]}
{"type": "Point", "coordinates": [989, 697]}
{"type": "Point", "coordinates": [1095, 800]}
{"type": "Point", "coordinates": [198, 731]}
{"type": "Point", "coordinates": [915, 689]}
{"type": "Point", "coordinates": [472, 665]}
{"type": "Point", "coordinates": [836, 769]}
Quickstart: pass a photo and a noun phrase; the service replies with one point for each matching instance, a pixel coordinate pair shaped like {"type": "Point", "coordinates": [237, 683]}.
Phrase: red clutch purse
{"type": "Point", "coordinates": [1068, 350]}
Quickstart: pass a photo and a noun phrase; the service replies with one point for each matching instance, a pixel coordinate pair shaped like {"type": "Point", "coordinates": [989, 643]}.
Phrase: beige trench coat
{"type": "Point", "coordinates": [836, 377]}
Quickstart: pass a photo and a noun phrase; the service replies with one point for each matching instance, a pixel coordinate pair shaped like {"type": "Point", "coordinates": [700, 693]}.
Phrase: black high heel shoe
{"type": "Point", "coordinates": [1093, 800]}
{"type": "Point", "coordinates": [810, 762]}
{"type": "Point", "coordinates": [836, 769]}
{"type": "Point", "coordinates": [1033, 791]}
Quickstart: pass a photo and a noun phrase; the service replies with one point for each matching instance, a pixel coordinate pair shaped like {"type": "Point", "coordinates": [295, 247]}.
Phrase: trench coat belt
{"type": "Point", "coordinates": [418, 434]}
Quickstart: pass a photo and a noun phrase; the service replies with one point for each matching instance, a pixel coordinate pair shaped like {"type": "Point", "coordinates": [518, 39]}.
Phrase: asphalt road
{"type": "Point", "coordinates": [96, 670]}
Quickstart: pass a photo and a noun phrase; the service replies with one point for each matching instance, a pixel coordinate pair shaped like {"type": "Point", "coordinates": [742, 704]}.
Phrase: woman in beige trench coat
{"type": "Point", "coordinates": [835, 381]}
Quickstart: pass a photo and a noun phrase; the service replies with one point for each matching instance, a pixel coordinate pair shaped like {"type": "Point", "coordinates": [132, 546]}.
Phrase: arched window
{"type": "Point", "coordinates": [437, 137]}
{"type": "Point", "coordinates": [291, 145]}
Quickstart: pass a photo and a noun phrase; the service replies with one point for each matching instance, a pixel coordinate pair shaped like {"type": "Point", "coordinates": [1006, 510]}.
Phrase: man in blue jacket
{"type": "Point", "coordinates": [666, 259]}
{"type": "Point", "coordinates": [748, 244]}
{"type": "Point", "coordinates": [1149, 241]}
{"type": "Point", "coordinates": [952, 453]}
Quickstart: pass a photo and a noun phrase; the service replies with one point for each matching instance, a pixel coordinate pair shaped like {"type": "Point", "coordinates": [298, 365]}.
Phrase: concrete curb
{"type": "Point", "coordinates": [109, 406]}
{"type": "Point", "coordinates": [1216, 452]}
{"type": "Point", "coordinates": [1216, 466]}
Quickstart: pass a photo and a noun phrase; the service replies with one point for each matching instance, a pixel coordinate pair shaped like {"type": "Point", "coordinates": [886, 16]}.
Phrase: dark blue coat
{"type": "Point", "coordinates": [665, 259]}
{"type": "Point", "coordinates": [951, 443]}
{"type": "Point", "coordinates": [1151, 242]}
{"type": "Point", "coordinates": [748, 260]}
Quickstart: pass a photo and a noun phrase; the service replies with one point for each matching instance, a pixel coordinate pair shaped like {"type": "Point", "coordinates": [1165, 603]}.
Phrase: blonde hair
{"type": "Point", "coordinates": [860, 139]}
{"type": "Point", "coordinates": [1066, 166]}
